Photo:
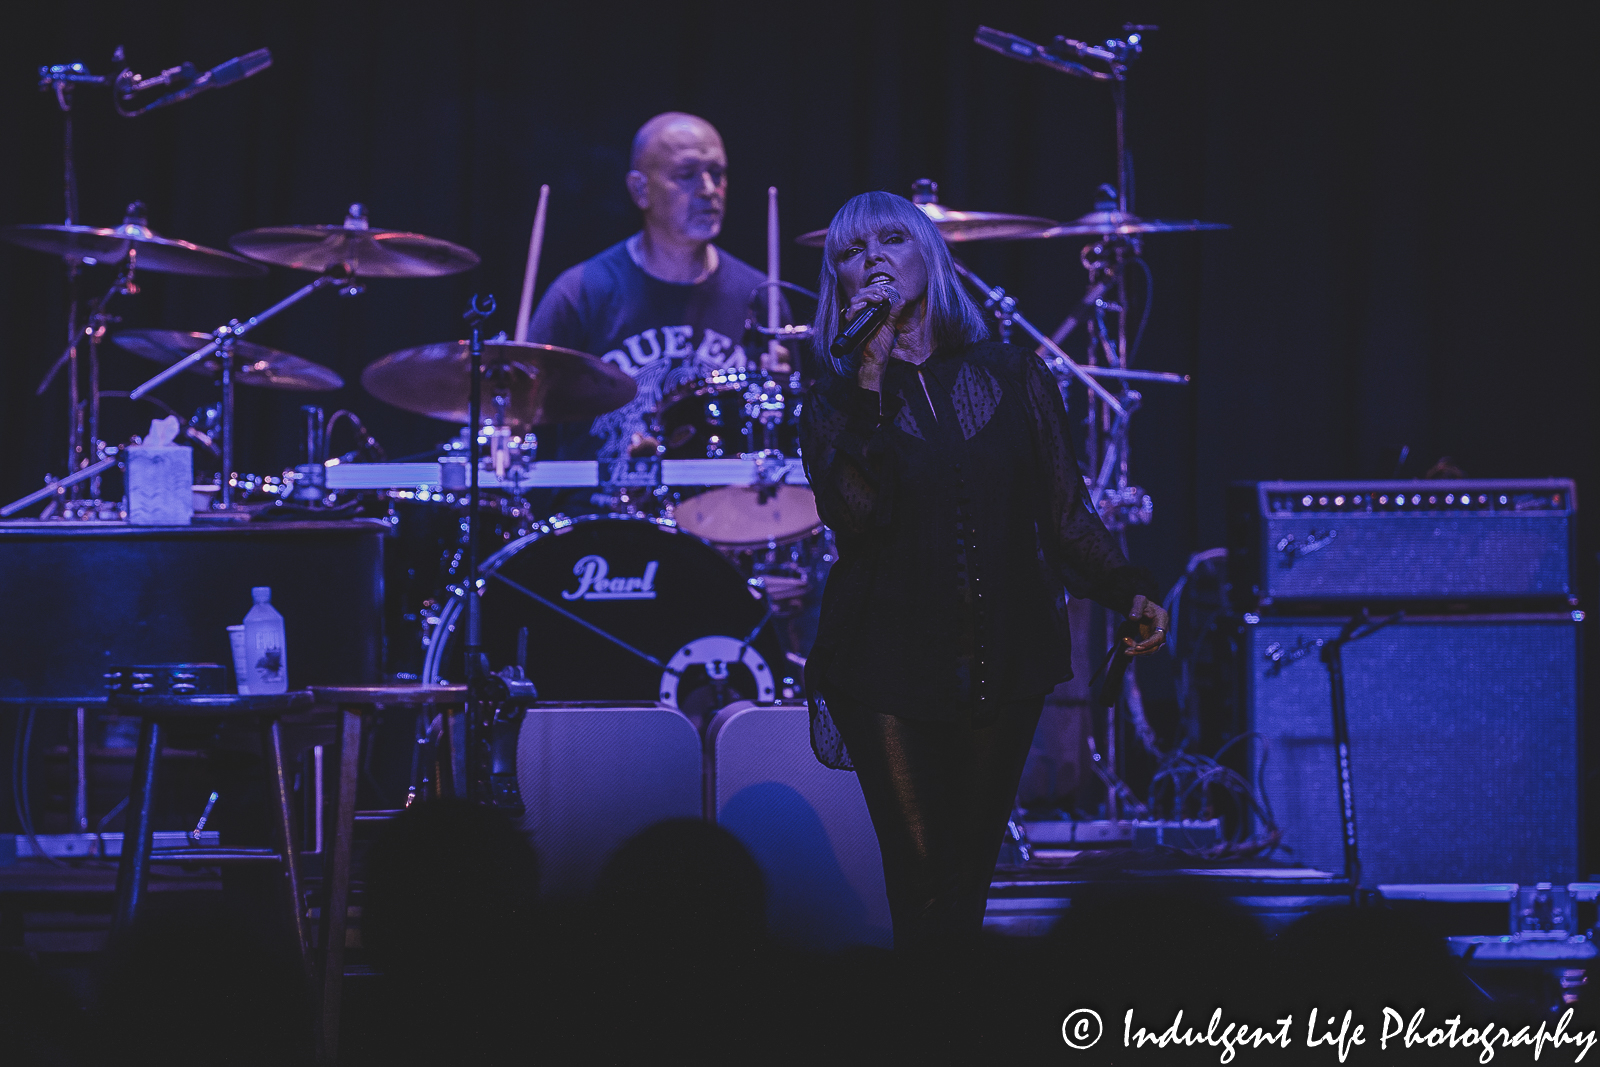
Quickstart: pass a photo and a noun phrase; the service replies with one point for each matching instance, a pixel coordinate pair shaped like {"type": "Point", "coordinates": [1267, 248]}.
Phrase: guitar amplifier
{"type": "Point", "coordinates": [1465, 759]}
{"type": "Point", "coordinates": [1419, 541]}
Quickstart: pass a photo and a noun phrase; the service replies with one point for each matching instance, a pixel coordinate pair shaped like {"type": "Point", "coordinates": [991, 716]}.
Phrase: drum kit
{"type": "Point", "coordinates": [735, 432]}
{"type": "Point", "coordinates": [697, 582]}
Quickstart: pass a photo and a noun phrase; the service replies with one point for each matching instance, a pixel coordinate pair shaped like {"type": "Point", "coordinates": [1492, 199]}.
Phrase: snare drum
{"type": "Point", "coordinates": [751, 516]}
{"type": "Point", "coordinates": [619, 608]}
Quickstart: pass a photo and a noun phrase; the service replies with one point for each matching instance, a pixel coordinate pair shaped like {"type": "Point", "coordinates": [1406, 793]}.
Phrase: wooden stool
{"type": "Point", "coordinates": [353, 702]}
{"type": "Point", "coordinates": [133, 872]}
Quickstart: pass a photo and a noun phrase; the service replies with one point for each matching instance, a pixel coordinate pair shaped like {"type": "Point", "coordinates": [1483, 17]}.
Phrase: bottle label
{"type": "Point", "coordinates": [269, 664]}
{"type": "Point", "coordinates": [267, 659]}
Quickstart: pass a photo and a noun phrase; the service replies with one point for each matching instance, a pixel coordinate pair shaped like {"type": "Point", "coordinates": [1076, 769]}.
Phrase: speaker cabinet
{"type": "Point", "coordinates": [593, 775]}
{"type": "Point", "coordinates": [806, 825]}
{"type": "Point", "coordinates": [1464, 745]}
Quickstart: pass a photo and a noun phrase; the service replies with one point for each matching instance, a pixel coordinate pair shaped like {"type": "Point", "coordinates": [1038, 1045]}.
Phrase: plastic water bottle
{"type": "Point", "coordinates": [265, 653]}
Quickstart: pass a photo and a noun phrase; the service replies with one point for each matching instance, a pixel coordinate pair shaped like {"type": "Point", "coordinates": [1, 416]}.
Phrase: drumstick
{"type": "Point", "coordinates": [772, 268]}
{"type": "Point", "coordinates": [535, 241]}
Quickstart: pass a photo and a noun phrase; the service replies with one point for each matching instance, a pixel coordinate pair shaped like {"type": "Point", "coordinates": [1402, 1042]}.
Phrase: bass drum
{"type": "Point", "coordinates": [619, 608]}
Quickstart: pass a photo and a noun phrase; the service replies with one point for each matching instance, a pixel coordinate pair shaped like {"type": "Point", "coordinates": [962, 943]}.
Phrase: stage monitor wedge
{"type": "Point", "coordinates": [806, 825]}
{"type": "Point", "coordinates": [593, 775]}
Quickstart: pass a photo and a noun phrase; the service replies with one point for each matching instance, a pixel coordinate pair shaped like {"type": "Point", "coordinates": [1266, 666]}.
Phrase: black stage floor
{"type": "Point", "coordinates": [1027, 900]}
{"type": "Point", "coordinates": [60, 915]}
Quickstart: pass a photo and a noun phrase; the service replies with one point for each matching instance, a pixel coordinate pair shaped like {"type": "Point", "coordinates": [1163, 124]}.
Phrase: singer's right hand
{"type": "Point", "coordinates": [875, 354]}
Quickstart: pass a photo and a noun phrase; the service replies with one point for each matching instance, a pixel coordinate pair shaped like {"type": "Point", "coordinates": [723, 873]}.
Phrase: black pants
{"type": "Point", "coordinates": [939, 794]}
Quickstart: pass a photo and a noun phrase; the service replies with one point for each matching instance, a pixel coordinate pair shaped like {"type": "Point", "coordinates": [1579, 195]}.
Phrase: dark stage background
{"type": "Point", "coordinates": [1409, 266]}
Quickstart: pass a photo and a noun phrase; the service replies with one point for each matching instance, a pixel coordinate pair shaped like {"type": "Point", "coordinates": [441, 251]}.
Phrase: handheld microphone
{"type": "Point", "coordinates": [1105, 688]}
{"type": "Point", "coordinates": [855, 335]}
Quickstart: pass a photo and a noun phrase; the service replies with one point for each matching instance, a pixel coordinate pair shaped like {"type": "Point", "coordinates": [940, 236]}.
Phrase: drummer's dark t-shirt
{"type": "Point", "coordinates": [662, 334]}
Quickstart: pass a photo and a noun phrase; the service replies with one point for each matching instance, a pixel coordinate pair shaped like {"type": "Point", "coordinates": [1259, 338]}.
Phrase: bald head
{"type": "Point", "coordinates": [679, 178]}
{"type": "Point", "coordinates": [668, 129]}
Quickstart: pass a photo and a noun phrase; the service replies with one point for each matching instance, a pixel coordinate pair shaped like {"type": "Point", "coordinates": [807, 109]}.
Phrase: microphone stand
{"type": "Point", "coordinates": [1360, 625]}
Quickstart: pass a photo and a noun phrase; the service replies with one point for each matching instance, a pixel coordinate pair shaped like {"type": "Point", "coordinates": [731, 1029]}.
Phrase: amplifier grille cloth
{"type": "Point", "coordinates": [1419, 556]}
{"type": "Point", "coordinates": [1464, 748]}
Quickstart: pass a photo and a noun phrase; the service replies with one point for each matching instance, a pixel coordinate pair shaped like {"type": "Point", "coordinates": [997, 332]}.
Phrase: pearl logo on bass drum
{"type": "Point", "coordinates": [595, 584]}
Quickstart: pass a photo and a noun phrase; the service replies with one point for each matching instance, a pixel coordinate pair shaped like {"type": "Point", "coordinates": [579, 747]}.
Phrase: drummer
{"type": "Point", "coordinates": [666, 305]}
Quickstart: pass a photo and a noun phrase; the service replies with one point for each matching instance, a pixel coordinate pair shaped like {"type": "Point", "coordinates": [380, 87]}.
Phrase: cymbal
{"type": "Point", "coordinates": [535, 384]}
{"type": "Point", "coordinates": [957, 226]}
{"type": "Point", "coordinates": [1121, 224]}
{"type": "Point", "coordinates": [362, 251]}
{"type": "Point", "coordinates": [257, 365]}
{"type": "Point", "coordinates": [160, 255]}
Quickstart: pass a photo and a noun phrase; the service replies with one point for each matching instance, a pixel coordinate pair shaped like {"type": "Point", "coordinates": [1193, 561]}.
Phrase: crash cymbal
{"type": "Point", "coordinates": [957, 226]}
{"type": "Point", "coordinates": [257, 365]}
{"type": "Point", "coordinates": [161, 255]}
{"type": "Point", "coordinates": [355, 247]}
{"type": "Point", "coordinates": [1121, 224]}
{"type": "Point", "coordinates": [524, 384]}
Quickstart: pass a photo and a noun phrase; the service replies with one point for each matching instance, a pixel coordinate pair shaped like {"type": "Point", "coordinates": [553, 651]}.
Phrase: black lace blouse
{"type": "Point", "coordinates": [960, 515]}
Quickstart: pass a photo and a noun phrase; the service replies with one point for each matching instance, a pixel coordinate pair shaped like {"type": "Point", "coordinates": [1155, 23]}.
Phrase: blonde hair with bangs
{"type": "Point", "coordinates": [953, 318]}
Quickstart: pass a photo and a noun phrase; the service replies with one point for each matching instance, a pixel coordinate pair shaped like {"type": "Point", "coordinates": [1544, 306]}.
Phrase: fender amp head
{"type": "Point", "coordinates": [1301, 543]}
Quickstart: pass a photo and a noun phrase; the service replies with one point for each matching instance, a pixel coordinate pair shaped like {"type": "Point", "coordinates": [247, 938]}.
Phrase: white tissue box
{"type": "Point", "coordinates": [160, 480]}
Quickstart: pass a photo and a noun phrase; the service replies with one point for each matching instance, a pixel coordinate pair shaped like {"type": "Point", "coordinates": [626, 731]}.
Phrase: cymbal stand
{"type": "Point", "coordinates": [225, 419]}
{"type": "Point", "coordinates": [1122, 505]}
{"type": "Point", "coordinates": [1108, 451]}
{"type": "Point", "coordinates": [62, 78]}
{"type": "Point", "coordinates": [1110, 415]}
{"type": "Point", "coordinates": [1119, 503]}
{"type": "Point", "coordinates": [497, 701]}
{"type": "Point", "coordinates": [56, 488]}
{"type": "Point", "coordinates": [996, 300]}
{"type": "Point", "coordinates": [84, 437]}
{"type": "Point", "coordinates": [475, 315]}
{"type": "Point", "coordinates": [95, 330]}
{"type": "Point", "coordinates": [85, 415]}
{"type": "Point", "coordinates": [222, 341]}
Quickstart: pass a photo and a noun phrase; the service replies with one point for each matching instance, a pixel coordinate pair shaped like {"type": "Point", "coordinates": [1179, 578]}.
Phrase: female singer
{"type": "Point", "coordinates": [943, 464]}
